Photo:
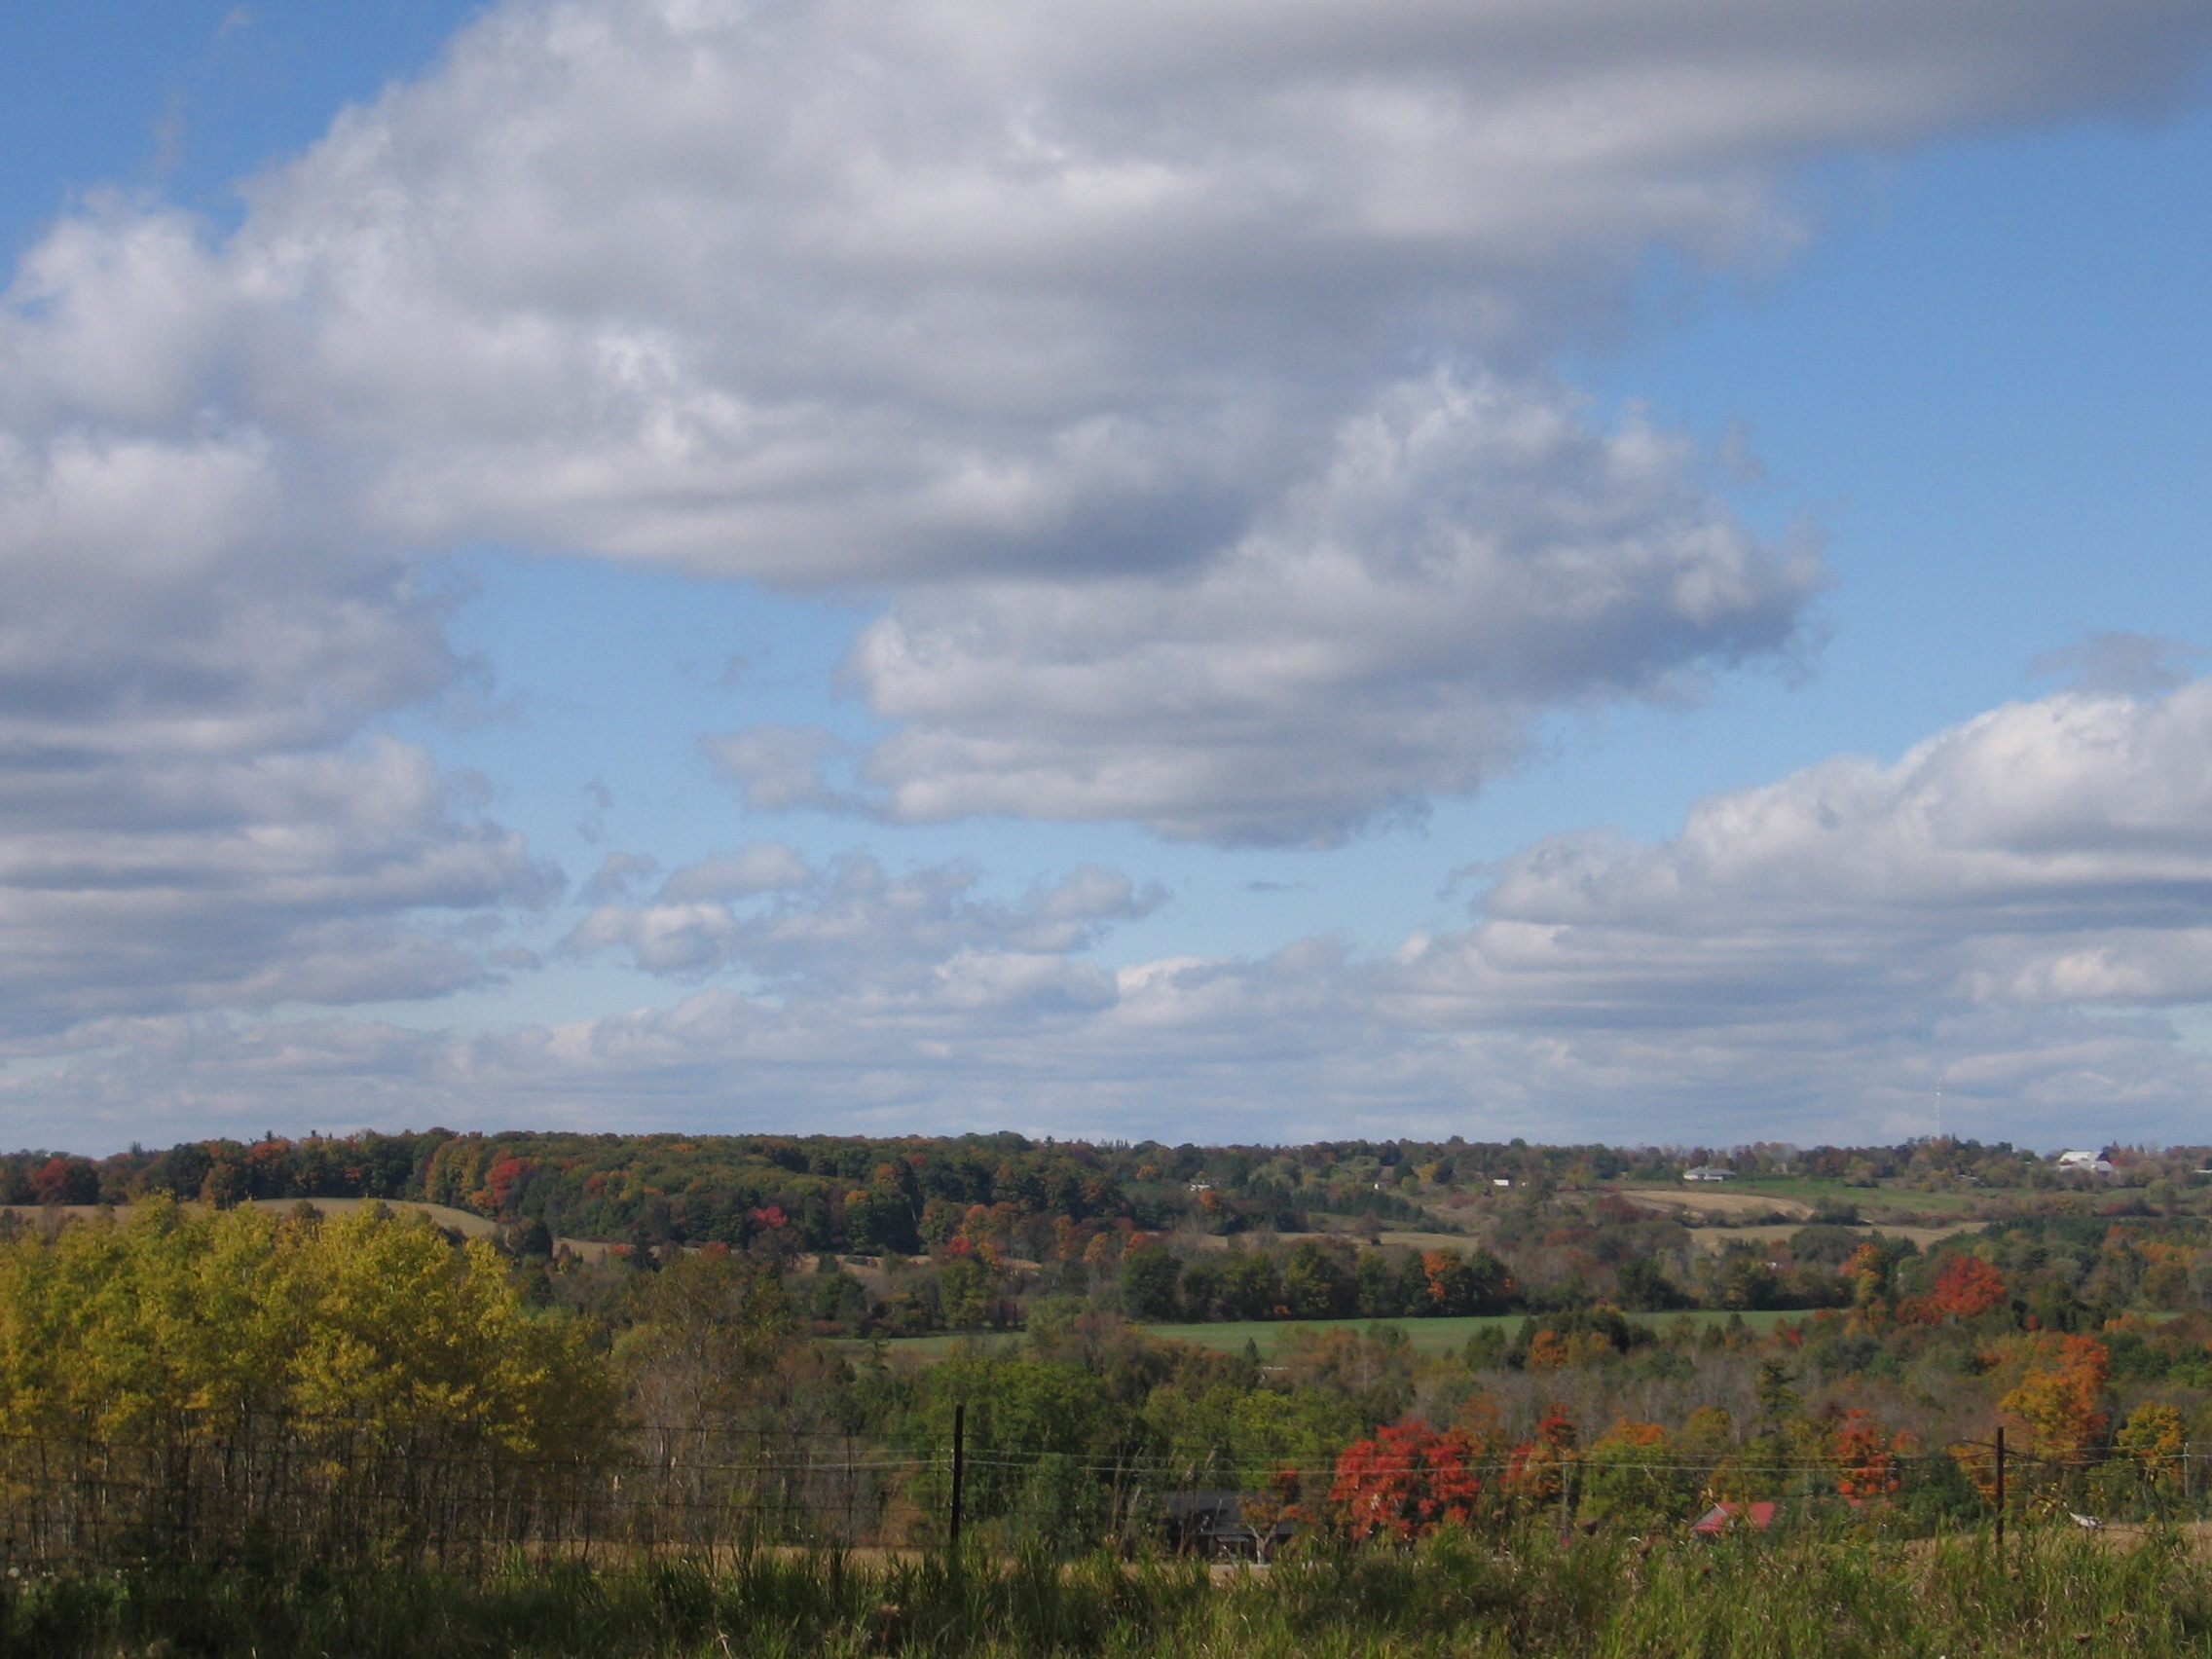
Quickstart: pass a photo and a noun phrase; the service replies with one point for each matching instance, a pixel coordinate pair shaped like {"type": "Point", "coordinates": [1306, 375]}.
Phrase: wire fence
{"type": "Point", "coordinates": [345, 1492]}
{"type": "Point", "coordinates": [287, 1488]}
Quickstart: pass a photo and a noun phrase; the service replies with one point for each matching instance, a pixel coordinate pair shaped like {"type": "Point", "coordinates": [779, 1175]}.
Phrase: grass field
{"type": "Point", "coordinates": [1797, 1197]}
{"type": "Point", "coordinates": [1720, 1237]}
{"type": "Point", "coordinates": [1428, 1336]}
{"type": "Point", "coordinates": [1456, 1597]}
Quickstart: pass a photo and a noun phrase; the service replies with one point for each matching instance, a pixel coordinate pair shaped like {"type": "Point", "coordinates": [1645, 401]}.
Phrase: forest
{"type": "Point", "coordinates": [605, 1353]}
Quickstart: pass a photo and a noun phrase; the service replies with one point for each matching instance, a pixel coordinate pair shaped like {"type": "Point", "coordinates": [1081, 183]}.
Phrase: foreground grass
{"type": "Point", "coordinates": [1455, 1595]}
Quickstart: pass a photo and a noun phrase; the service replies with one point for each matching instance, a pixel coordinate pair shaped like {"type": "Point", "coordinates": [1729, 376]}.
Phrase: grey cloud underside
{"type": "Point", "coordinates": [1995, 913]}
{"type": "Point", "coordinates": [191, 808]}
{"type": "Point", "coordinates": [193, 812]}
{"type": "Point", "coordinates": [826, 292]}
{"type": "Point", "coordinates": [1471, 557]}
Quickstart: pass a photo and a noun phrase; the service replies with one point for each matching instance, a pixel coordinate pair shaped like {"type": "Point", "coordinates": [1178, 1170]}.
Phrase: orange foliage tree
{"type": "Point", "coordinates": [2057, 1399]}
{"type": "Point", "coordinates": [1537, 1469]}
{"type": "Point", "coordinates": [1866, 1456]}
{"type": "Point", "coordinates": [1967, 1288]}
{"type": "Point", "coordinates": [1406, 1482]}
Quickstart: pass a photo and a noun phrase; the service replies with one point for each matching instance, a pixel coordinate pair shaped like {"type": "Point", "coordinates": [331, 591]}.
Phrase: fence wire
{"type": "Point", "coordinates": [289, 1487]}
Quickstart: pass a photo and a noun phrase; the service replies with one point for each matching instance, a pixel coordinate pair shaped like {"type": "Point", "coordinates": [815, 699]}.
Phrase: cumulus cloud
{"type": "Point", "coordinates": [765, 867]}
{"type": "Point", "coordinates": [2001, 911]}
{"type": "Point", "coordinates": [1087, 336]}
{"type": "Point", "coordinates": [1173, 375]}
{"type": "Point", "coordinates": [2054, 852]}
{"type": "Point", "coordinates": [780, 767]}
{"type": "Point", "coordinates": [1471, 556]}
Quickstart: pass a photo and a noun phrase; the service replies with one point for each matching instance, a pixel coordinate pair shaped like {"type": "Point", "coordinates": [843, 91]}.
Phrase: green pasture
{"type": "Point", "coordinates": [1427, 1336]}
{"type": "Point", "coordinates": [1872, 1201]}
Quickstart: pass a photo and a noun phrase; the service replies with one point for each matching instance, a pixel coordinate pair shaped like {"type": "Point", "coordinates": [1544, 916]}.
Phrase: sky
{"type": "Point", "coordinates": [1583, 569]}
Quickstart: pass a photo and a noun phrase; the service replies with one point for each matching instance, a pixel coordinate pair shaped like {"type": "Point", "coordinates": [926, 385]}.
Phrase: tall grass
{"type": "Point", "coordinates": [1456, 1595]}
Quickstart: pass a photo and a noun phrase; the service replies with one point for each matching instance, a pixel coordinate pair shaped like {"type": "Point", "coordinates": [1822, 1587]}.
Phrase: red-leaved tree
{"type": "Point", "coordinates": [1967, 1288]}
{"type": "Point", "coordinates": [1406, 1482]}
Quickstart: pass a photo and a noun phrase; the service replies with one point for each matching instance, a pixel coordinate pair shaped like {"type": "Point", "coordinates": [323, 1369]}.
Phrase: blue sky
{"type": "Point", "coordinates": [685, 566]}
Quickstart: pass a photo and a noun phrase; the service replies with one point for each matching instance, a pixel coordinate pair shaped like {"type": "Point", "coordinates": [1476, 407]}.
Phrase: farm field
{"type": "Point", "coordinates": [1715, 1238]}
{"type": "Point", "coordinates": [1798, 1199]}
{"type": "Point", "coordinates": [1427, 1336]}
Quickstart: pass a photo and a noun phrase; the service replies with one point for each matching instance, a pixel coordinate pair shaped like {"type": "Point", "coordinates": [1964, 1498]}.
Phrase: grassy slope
{"type": "Point", "coordinates": [1873, 1202]}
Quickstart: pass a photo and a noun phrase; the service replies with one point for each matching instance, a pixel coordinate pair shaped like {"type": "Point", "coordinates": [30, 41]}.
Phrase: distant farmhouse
{"type": "Point", "coordinates": [1214, 1524]}
{"type": "Point", "coordinates": [1708, 1172]}
{"type": "Point", "coordinates": [2084, 1163]}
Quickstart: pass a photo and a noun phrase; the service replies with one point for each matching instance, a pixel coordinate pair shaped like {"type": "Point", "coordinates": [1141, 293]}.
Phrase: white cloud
{"type": "Point", "coordinates": [2051, 852]}
{"type": "Point", "coordinates": [1992, 913]}
{"type": "Point", "coordinates": [1175, 375]}
{"type": "Point", "coordinates": [1098, 316]}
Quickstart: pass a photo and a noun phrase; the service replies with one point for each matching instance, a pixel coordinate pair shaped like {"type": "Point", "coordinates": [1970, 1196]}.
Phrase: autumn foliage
{"type": "Point", "coordinates": [1406, 1482]}
{"type": "Point", "coordinates": [2059, 1397]}
{"type": "Point", "coordinates": [182, 1316]}
{"type": "Point", "coordinates": [1967, 1288]}
{"type": "Point", "coordinates": [1865, 1455]}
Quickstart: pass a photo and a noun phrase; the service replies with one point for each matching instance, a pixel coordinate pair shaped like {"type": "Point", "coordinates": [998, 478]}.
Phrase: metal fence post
{"type": "Point", "coordinates": [959, 1464]}
{"type": "Point", "coordinates": [2001, 1491]}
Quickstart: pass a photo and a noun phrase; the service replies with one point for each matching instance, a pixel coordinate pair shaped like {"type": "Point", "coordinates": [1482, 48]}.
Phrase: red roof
{"type": "Point", "coordinates": [1722, 1516]}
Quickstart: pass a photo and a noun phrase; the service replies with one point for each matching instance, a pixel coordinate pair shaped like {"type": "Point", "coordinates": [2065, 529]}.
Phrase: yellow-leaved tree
{"type": "Point", "coordinates": [398, 1329]}
{"type": "Point", "coordinates": [228, 1373]}
{"type": "Point", "coordinates": [182, 1314]}
{"type": "Point", "coordinates": [118, 1329]}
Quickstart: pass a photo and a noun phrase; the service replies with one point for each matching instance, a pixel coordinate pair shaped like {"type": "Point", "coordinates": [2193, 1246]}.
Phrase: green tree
{"type": "Point", "coordinates": [1316, 1284]}
{"type": "Point", "coordinates": [964, 1288]}
{"type": "Point", "coordinates": [1378, 1287]}
{"type": "Point", "coordinates": [1149, 1281]}
{"type": "Point", "coordinates": [1646, 1288]}
{"type": "Point", "coordinates": [1249, 1287]}
{"type": "Point", "coordinates": [1202, 1286]}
